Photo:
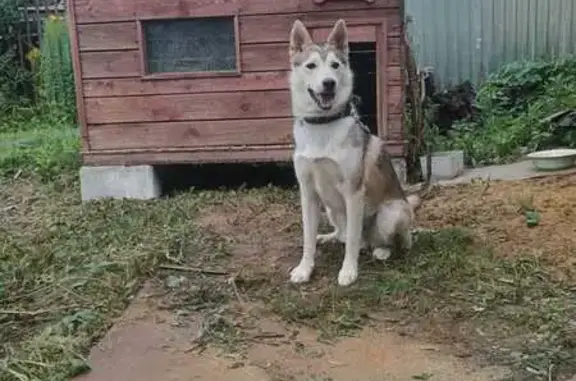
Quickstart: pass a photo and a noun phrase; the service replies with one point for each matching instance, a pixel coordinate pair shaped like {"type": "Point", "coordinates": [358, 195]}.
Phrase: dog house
{"type": "Point", "coordinates": [206, 81]}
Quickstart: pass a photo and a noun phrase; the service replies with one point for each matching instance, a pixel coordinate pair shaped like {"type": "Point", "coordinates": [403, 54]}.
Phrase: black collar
{"type": "Point", "coordinates": [347, 111]}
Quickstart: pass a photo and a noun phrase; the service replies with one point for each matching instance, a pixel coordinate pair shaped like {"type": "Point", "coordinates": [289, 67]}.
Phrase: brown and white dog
{"type": "Point", "coordinates": [338, 163]}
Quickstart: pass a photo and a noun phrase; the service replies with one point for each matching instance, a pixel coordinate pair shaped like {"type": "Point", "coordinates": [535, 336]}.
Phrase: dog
{"type": "Point", "coordinates": [338, 163]}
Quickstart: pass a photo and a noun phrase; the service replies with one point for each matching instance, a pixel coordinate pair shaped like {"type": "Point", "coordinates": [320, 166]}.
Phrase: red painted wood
{"type": "Point", "coordinates": [135, 86]}
{"type": "Point", "coordinates": [273, 80]}
{"type": "Point", "coordinates": [192, 134]}
{"type": "Point", "coordinates": [204, 106]}
{"type": "Point", "coordinates": [90, 11]}
{"type": "Point", "coordinates": [124, 35]}
{"type": "Point", "coordinates": [77, 69]}
{"type": "Point", "coordinates": [254, 57]}
{"type": "Point", "coordinates": [169, 119]}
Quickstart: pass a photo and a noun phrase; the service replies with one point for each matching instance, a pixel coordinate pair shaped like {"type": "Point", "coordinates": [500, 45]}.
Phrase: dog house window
{"type": "Point", "coordinates": [190, 45]}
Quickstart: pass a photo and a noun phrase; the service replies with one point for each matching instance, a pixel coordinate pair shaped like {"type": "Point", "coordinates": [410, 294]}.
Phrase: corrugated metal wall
{"type": "Point", "coordinates": [466, 39]}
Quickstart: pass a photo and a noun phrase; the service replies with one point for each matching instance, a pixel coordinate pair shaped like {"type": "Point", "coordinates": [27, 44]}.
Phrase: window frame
{"type": "Point", "coordinates": [187, 74]}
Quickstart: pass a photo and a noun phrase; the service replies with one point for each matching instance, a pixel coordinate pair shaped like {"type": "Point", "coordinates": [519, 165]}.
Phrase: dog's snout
{"type": "Point", "coordinates": [329, 84]}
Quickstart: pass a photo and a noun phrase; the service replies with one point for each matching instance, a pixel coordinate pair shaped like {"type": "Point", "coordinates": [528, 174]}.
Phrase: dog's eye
{"type": "Point", "coordinates": [335, 65]}
{"type": "Point", "coordinates": [311, 66]}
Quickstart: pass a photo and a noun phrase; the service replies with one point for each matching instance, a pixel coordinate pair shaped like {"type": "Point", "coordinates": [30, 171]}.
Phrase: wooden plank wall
{"type": "Point", "coordinates": [129, 119]}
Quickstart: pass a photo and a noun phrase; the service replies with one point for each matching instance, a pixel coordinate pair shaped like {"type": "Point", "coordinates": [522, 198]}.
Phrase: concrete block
{"type": "Point", "coordinates": [135, 182]}
{"type": "Point", "coordinates": [445, 165]}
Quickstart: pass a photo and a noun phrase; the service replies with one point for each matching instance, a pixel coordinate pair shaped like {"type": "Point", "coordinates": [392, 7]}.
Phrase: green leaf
{"type": "Point", "coordinates": [532, 218]}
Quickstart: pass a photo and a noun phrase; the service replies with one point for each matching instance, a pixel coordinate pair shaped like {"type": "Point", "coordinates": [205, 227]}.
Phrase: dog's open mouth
{"type": "Point", "coordinates": [324, 100]}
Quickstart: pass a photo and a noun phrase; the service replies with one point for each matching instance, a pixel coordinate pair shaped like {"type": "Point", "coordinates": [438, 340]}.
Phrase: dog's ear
{"type": "Point", "coordinates": [338, 38]}
{"type": "Point", "coordinates": [299, 38]}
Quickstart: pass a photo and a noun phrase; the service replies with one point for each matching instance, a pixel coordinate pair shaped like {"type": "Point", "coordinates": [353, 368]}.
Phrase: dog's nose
{"type": "Point", "coordinates": [329, 84]}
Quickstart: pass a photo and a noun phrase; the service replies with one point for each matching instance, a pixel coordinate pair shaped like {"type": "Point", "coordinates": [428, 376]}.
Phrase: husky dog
{"type": "Point", "coordinates": [338, 163]}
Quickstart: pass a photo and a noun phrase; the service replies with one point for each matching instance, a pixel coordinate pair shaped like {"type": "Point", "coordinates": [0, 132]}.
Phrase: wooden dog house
{"type": "Point", "coordinates": [197, 81]}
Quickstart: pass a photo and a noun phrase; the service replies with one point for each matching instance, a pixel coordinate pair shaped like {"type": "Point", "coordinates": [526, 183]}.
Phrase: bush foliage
{"type": "Point", "coordinates": [514, 103]}
{"type": "Point", "coordinates": [16, 82]}
{"type": "Point", "coordinates": [56, 78]}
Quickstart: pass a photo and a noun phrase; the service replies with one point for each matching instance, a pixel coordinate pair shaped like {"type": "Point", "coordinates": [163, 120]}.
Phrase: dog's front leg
{"type": "Point", "coordinates": [354, 213]}
{"type": "Point", "coordinates": [310, 219]}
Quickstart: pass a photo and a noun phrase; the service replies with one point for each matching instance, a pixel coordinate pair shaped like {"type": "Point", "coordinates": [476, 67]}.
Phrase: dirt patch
{"type": "Point", "coordinates": [456, 303]}
{"type": "Point", "coordinates": [494, 211]}
{"type": "Point", "coordinates": [260, 230]}
{"type": "Point", "coordinates": [149, 344]}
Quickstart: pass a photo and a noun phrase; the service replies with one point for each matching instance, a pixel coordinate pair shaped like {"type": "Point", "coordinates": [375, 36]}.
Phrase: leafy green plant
{"type": "Point", "coordinates": [46, 153]}
{"type": "Point", "coordinates": [56, 74]}
{"type": "Point", "coordinates": [515, 103]}
{"type": "Point", "coordinates": [16, 82]}
{"type": "Point", "coordinates": [513, 88]}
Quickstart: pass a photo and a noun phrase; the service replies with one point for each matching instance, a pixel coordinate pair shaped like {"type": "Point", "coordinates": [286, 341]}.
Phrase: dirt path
{"type": "Point", "coordinates": [147, 345]}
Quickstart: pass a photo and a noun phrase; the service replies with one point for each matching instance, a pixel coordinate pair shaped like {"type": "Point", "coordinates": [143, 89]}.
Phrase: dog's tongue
{"type": "Point", "coordinates": [326, 97]}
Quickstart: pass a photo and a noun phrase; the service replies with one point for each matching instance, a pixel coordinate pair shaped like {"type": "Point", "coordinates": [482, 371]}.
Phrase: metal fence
{"type": "Point", "coordinates": [30, 68]}
{"type": "Point", "coordinates": [467, 39]}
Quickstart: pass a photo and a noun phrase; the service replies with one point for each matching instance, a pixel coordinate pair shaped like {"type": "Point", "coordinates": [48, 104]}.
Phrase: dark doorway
{"type": "Point", "coordinates": [363, 63]}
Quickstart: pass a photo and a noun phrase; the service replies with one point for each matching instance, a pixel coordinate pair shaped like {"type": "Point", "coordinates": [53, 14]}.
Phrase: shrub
{"type": "Point", "coordinates": [56, 79]}
{"type": "Point", "coordinates": [16, 83]}
{"type": "Point", "coordinates": [513, 88]}
{"type": "Point", "coordinates": [47, 153]}
{"type": "Point", "coordinates": [514, 103]}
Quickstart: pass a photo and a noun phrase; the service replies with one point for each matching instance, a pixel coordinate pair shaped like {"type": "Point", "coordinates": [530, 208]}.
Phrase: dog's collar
{"type": "Point", "coordinates": [347, 111]}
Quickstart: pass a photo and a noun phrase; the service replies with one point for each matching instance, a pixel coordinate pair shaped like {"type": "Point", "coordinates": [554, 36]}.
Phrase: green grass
{"type": "Point", "coordinates": [44, 152]}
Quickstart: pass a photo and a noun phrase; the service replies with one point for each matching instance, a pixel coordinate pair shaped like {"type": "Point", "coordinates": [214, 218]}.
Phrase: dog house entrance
{"type": "Point", "coordinates": [363, 63]}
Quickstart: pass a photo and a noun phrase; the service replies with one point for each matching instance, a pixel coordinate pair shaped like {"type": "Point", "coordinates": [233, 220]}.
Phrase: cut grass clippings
{"type": "Point", "coordinates": [67, 269]}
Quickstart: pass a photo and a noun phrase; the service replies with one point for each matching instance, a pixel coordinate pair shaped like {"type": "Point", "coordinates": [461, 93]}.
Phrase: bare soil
{"type": "Point", "coordinates": [494, 211]}
{"type": "Point", "coordinates": [255, 238]}
{"type": "Point", "coordinates": [148, 344]}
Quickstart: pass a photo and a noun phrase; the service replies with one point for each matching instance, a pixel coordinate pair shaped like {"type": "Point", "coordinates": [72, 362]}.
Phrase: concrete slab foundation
{"type": "Point", "coordinates": [134, 182]}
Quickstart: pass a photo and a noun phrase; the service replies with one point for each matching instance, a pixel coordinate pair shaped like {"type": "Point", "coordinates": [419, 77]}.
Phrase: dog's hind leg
{"type": "Point", "coordinates": [392, 222]}
{"type": "Point", "coordinates": [406, 238]}
{"type": "Point", "coordinates": [381, 253]}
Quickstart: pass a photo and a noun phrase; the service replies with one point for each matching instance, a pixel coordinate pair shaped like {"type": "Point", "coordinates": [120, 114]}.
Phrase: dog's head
{"type": "Point", "coordinates": [321, 80]}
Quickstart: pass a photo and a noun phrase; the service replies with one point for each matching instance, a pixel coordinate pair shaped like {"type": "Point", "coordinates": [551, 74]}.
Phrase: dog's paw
{"type": "Point", "coordinates": [381, 253]}
{"type": "Point", "coordinates": [347, 275]}
{"type": "Point", "coordinates": [301, 274]}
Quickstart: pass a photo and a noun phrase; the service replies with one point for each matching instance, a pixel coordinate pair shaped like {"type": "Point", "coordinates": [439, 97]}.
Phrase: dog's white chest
{"type": "Point", "coordinates": [325, 155]}
{"type": "Point", "coordinates": [325, 141]}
